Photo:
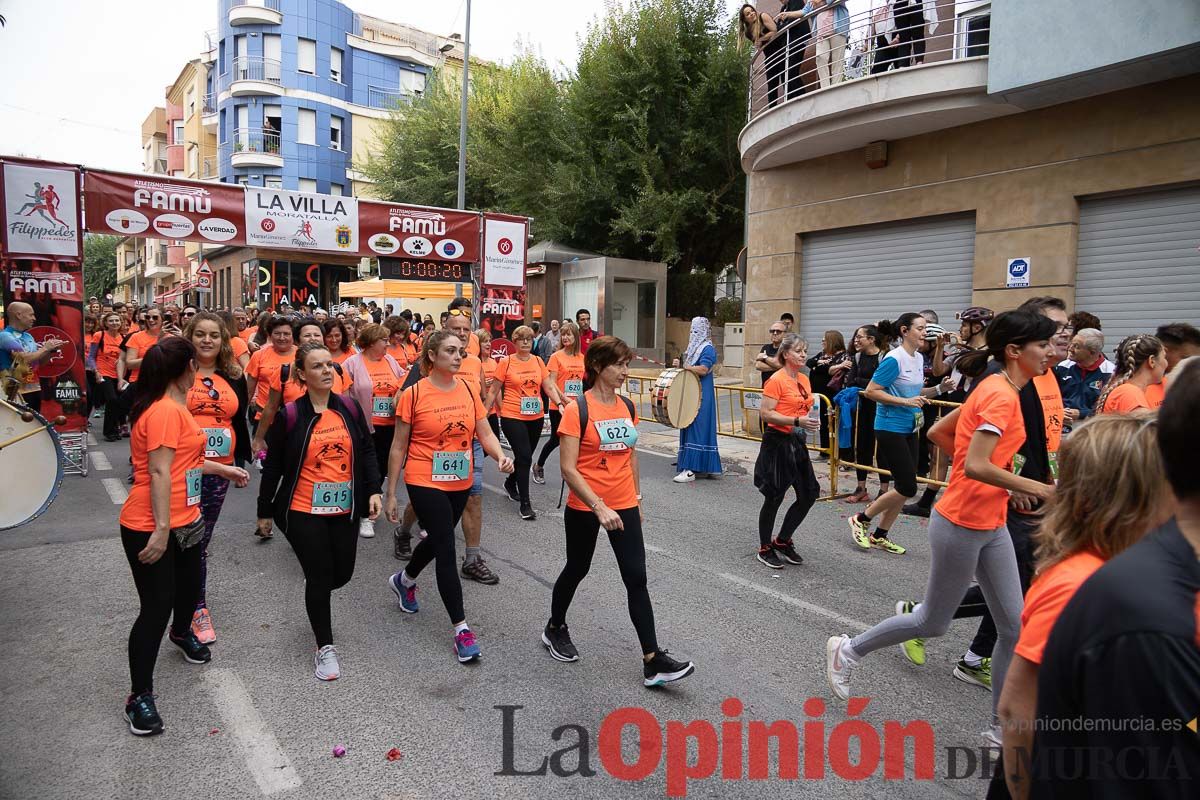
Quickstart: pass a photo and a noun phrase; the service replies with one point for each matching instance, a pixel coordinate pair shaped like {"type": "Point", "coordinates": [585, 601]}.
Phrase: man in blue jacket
{"type": "Point", "coordinates": [1082, 378]}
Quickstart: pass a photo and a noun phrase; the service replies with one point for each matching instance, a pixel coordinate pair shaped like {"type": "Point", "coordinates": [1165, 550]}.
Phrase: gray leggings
{"type": "Point", "coordinates": [959, 554]}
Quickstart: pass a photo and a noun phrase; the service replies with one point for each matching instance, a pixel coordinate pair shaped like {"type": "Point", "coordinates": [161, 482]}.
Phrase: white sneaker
{"type": "Point", "coordinates": [325, 663]}
{"type": "Point", "coordinates": [837, 667]}
{"type": "Point", "coordinates": [687, 476]}
{"type": "Point", "coordinates": [993, 736]}
{"type": "Point", "coordinates": [366, 528]}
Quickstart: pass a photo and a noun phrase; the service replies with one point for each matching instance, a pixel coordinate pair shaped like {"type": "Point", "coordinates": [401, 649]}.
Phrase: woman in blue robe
{"type": "Point", "coordinates": [698, 442]}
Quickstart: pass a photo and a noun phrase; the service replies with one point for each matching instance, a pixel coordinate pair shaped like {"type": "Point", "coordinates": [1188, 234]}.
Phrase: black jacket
{"type": "Point", "coordinates": [241, 431]}
{"type": "Point", "coordinates": [286, 446]}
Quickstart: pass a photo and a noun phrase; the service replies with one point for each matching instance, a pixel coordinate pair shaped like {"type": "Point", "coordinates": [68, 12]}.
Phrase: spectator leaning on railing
{"type": "Point", "coordinates": [760, 30]}
{"type": "Point", "coordinates": [832, 29]}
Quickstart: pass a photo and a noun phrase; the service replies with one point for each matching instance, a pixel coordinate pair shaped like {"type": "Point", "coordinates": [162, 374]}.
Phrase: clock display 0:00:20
{"type": "Point", "coordinates": [429, 270]}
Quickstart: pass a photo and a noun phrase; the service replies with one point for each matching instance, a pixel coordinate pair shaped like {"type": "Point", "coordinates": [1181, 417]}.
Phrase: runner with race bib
{"type": "Point", "coordinates": [566, 370]}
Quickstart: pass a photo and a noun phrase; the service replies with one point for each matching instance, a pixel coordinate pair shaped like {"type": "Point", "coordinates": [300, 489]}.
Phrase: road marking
{"type": "Point", "coordinates": [793, 601]}
{"type": "Point", "coordinates": [92, 440]}
{"type": "Point", "coordinates": [654, 549]}
{"type": "Point", "coordinates": [116, 490]}
{"type": "Point", "coordinates": [99, 461]}
{"type": "Point", "coordinates": [268, 764]}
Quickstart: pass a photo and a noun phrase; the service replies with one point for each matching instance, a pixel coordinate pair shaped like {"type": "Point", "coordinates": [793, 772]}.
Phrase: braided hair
{"type": "Point", "coordinates": [1132, 353]}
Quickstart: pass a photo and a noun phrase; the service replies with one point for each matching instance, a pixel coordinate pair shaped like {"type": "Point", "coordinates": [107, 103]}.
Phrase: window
{"type": "Point", "coordinates": [307, 133]}
{"type": "Point", "coordinates": [243, 180]}
{"type": "Point", "coordinates": [412, 82]}
{"type": "Point", "coordinates": [308, 185]}
{"type": "Point", "coordinates": [336, 190]}
{"type": "Point", "coordinates": [191, 102]}
{"type": "Point", "coordinates": [273, 182]}
{"type": "Point", "coordinates": [335, 132]}
{"type": "Point", "coordinates": [177, 132]}
{"type": "Point", "coordinates": [193, 161]}
{"type": "Point", "coordinates": [306, 56]}
{"type": "Point", "coordinates": [335, 64]}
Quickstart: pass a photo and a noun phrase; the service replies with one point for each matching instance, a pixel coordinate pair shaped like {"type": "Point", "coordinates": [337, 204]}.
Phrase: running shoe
{"type": "Point", "coordinates": [687, 476]}
{"type": "Point", "coordinates": [465, 646]}
{"type": "Point", "coordinates": [915, 510]}
{"type": "Point", "coordinates": [913, 649]}
{"type": "Point", "coordinates": [993, 736]}
{"type": "Point", "coordinates": [558, 642]}
{"type": "Point", "coordinates": [406, 595]}
{"type": "Point", "coordinates": [767, 555]}
{"type": "Point", "coordinates": [788, 551]}
{"type": "Point", "coordinates": [401, 545]}
{"type": "Point", "coordinates": [366, 528]}
{"type": "Point", "coordinates": [527, 511]}
{"type": "Point", "coordinates": [480, 572]}
{"type": "Point", "coordinates": [980, 676]}
{"type": "Point", "coordinates": [510, 486]}
{"type": "Point", "coordinates": [325, 664]}
{"type": "Point", "coordinates": [142, 715]}
{"type": "Point", "coordinates": [539, 474]}
{"type": "Point", "coordinates": [838, 668]}
{"type": "Point", "coordinates": [887, 545]}
{"type": "Point", "coordinates": [861, 531]}
{"type": "Point", "coordinates": [193, 651]}
{"type": "Point", "coordinates": [663, 669]}
{"type": "Point", "coordinates": [202, 627]}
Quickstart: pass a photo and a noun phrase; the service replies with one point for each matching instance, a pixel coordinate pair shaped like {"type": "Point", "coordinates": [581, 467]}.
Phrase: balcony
{"type": "Point", "coordinates": [208, 113]}
{"type": "Point", "coordinates": [252, 75]}
{"type": "Point", "coordinates": [255, 12]}
{"type": "Point", "coordinates": [212, 40]}
{"type": "Point", "coordinates": [210, 168]}
{"type": "Point", "coordinates": [894, 77]}
{"type": "Point", "coordinates": [386, 99]}
{"type": "Point", "coordinates": [252, 148]}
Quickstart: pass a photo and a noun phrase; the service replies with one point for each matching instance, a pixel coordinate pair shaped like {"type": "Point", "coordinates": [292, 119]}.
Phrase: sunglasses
{"type": "Point", "coordinates": [460, 312]}
{"type": "Point", "coordinates": [207, 383]}
{"type": "Point", "coordinates": [776, 333]}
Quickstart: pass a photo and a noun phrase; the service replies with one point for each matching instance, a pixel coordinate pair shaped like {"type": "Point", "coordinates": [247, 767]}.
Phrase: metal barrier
{"type": "Point", "coordinates": [934, 467]}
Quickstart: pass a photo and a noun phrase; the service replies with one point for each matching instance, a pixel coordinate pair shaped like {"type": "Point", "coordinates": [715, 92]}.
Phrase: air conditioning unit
{"type": "Point", "coordinates": [364, 267]}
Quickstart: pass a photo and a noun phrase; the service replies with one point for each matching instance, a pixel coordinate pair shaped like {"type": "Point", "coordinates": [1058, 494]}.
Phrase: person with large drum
{"type": "Point", "coordinates": [698, 453]}
{"type": "Point", "coordinates": [161, 526]}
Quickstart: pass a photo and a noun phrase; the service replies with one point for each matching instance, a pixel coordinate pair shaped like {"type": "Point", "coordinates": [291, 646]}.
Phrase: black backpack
{"type": "Point", "coordinates": [583, 421]}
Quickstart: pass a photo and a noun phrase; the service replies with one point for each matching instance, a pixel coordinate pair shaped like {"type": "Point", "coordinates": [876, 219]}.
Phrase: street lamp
{"type": "Point", "coordinates": [462, 116]}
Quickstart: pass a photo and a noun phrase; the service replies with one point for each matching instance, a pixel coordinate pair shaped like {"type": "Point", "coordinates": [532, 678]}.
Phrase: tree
{"type": "Point", "coordinates": [99, 264]}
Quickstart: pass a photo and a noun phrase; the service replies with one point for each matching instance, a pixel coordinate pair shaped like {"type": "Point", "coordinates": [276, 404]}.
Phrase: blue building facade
{"type": "Point", "coordinates": [291, 80]}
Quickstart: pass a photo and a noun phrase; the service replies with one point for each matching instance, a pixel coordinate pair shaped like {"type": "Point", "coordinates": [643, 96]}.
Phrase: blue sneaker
{"type": "Point", "coordinates": [465, 646]}
{"type": "Point", "coordinates": [407, 597]}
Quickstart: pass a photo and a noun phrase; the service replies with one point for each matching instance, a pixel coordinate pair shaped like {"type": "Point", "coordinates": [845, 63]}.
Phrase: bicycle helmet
{"type": "Point", "coordinates": [977, 314]}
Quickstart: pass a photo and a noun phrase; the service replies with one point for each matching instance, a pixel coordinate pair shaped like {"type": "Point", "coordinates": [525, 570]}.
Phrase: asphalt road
{"type": "Point", "coordinates": [254, 722]}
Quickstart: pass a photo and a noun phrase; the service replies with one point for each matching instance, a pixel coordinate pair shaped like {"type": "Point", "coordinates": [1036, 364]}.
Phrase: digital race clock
{"type": "Point", "coordinates": [417, 269]}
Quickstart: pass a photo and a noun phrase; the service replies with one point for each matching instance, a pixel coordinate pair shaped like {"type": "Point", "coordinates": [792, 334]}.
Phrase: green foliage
{"type": "Point", "coordinates": [728, 309]}
{"type": "Point", "coordinates": [99, 265]}
{"type": "Point", "coordinates": [690, 294]}
{"type": "Point", "coordinates": [634, 156]}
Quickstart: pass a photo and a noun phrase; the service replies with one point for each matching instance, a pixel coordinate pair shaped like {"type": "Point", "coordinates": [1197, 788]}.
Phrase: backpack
{"type": "Point", "coordinates": [291, 414]}
{"type": "Point", "coordinates": [583, 421]}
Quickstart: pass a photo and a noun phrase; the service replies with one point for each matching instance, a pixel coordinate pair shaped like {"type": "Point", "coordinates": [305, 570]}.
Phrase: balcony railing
{"type": "Point", "coordinates": [386, 98]}
{"type": "Point", "coordinates": [256, 141]}
{"type": "Point", "coordinates": [812, 53]}
{"type": "Point", "coordinates": [210, 103]}
{"type": "Point", "coordinates": [256, 68]}
{"type": "Point", "coordinates": [271, 4]}
{"type": "Point", "coordinates": [210, 167]}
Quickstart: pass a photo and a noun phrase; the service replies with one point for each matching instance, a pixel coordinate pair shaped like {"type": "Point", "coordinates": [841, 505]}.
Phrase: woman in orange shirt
{"type": "Point", "coordinates": [241, 350]}
{"type": "Point", "coordinates": [489, 377]}
{"type": "Point", "coordinates": [1113, 491]}
{"type": "Point", "coordinates": [338, 340]}
{"type": "Point", "coordinates": [599, 462]}
{"type": "Point", "coordinates": [160, 521]}
{"type": "Point", "coordinates": [967, 534]}
{"type": "Point", "coordinates": [217, 401]}
{"type": "Point", "coordinates": [267, 360]}
{"type": "Point", "coordinates": [106, 352]}
{"type": "Point", "coordinates": [439, 418]}
{"type": "Point", "coordinates": [783, 461]}
{"type": "Point", "coordinates": [1141, 362]}
{"type": "Point", "coordinates": [566, 370]}
{"type": "Point", "coordinates": [400, 344]}
{"type": "Point", "coordinates": [521, 378]}
{"type": "Point", "coordinates": [320, 475]}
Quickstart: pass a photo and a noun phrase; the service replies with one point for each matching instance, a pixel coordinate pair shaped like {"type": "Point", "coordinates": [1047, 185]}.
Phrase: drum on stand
{"type": "Point", "coordinates": [675, 398]}
{"type": "Point", "coordinates": [31, 462]}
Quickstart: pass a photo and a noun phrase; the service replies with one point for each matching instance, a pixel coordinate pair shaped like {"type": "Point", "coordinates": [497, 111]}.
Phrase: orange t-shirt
{"type": "Point", "coordinates": [383, 392]}
{"type": "Point", "coordinates": [522, 384]}
{"type": "Point", "coordinates": [967, 502]}
{"type": "Point", "coordinates": [1049, 594]}
{"type": "Point", "coordinates": [489, 377]}
{"type": "Point", "coordinates": [1154, 395]}
{"type": "Point", "coordinates": [405, 353]}
{"type": "Point", "coordinates": [108, 354]}
{"type": "Point", "coordinates": [326, 483]}
{"type": "Point", "coordinates": [248, 334]}
{"type": "Point", "coordinates": [471, 371]}
{"type": "Point", "coordinates": [568, 373]}
{"type": "Point", "coordinates": [263, 364]}
{"type": "Point", "coordinates": [239, 347]}
{"type": "Point", "coordinates": [793, 398]}
{"type": "Point", "coordinates": [473, 348]}
{"type": "Point", "coordinates": [1124, 399]}
{"type": "Point", "coordinates": [141, 341]}
{"type": "Point", "coordinates": [443, 426]}
{"type": "Point", "coordinates": [605, 451]}
{"type": "Point", "coordinates": [294, 390]}
{"type": "Point", "coordinates": [165, 424]}
{"type": "Point", "coordinates": [342, 356]}
{"type": "Point", "coordinates": [213, 403]}
{"type": "Point", "coordinates": [1052, 411]}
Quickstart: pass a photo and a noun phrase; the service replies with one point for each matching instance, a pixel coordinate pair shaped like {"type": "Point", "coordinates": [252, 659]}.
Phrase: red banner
{"type": "Point", "coordinates": [501, 311]}
{"type": "Point", "coordinates": [387, 229]}
{"type": "Point", "coordinates": [162, 207]}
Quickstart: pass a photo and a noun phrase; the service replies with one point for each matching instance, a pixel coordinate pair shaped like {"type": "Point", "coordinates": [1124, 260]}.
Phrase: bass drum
{"type": "Point", "coordinates": [32, 465]}
{"type": "Point", "coordinates": [675, 398]}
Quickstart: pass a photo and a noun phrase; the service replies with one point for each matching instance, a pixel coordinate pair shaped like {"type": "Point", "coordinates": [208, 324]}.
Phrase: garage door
{"type": "Point", "coordinates": [1138, 261]}
{"type": "Point", "coordinates": [854, 276]}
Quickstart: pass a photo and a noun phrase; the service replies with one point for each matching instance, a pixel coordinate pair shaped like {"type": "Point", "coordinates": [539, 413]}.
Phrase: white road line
{"type": "Point", "coordinates": [268, 764]}
{"type": "Point", "coordinates": [792, 601]}
{"type": "Point", "coordinates": [116, 490]}
{"type": "Point", "coordinates": [92, 440]}
{"type": "Point", "coordinates": [654, 549]}
{"type": "Point", "coordinates": [100, 461]}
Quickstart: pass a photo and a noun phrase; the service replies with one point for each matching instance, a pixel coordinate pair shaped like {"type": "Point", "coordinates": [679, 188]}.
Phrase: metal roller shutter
{"type": "Point", "coordinates": [1138, 263]}
{"type": "Point", "coordinates": [854, 276]}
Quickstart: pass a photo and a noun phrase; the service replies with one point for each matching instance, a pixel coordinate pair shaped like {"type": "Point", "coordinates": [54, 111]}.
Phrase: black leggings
{"type": "Point", "coordinates": [326, 548]}
{"type": "Point", "coordinates": [899, 452]}
{"type": "Point", "coordinates": [114, 411]}
{"type": "Point", "coordinates": [582, 529]}
{"type": "Point", "coordinates": [494, 424]}
{"type": "Point", "coordinates": [522, 437]}
{"type": "Point", "coordinates": [864, 439]}
{"type": "Point", "coordinates": [807, 491]}
{"type": "Point", "coordinates": [552, 443]}
{"type": "Point", "coordinates": [438, 512]}
{"type": "Point", "coordinates": [169, 585]}
{"type": "Point", "coordinates": [383, 447]}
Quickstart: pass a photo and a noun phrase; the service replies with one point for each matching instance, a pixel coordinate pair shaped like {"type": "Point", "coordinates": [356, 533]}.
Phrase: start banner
{"type": "Point", "coordinates": [163, 207]}
{"type": "Point", "coordinates": [41, 210]}
{"type": "Point", "coordinates": [392, 229]}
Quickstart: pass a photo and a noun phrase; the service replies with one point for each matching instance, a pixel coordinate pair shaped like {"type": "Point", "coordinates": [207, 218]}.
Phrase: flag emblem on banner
{"type": "Point", "coordinates": [343, 235]}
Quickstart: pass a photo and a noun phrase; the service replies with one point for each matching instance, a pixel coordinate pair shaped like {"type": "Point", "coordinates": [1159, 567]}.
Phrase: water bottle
{"type": "Point", "coordinates": [814, 413]}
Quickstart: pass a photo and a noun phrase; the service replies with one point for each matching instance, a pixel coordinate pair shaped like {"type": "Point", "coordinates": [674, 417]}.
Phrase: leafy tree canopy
{"type": "Point", "coordinates": [99, 264]}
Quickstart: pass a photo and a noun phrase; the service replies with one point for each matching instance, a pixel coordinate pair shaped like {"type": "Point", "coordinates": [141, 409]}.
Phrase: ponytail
{"type": "Point", "coordinates": [892, 331]}
{"type": "Point", "coordinates": [1132, 353]}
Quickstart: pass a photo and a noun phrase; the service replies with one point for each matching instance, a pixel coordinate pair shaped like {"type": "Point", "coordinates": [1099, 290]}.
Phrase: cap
{"type": "Point", "coordinates": [933, 331]}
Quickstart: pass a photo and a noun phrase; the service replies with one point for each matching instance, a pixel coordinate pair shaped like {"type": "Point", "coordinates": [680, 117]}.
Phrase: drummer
{"type": "Point", "coordinates": [698, 453]}
{"type": "Point", "coordinates": [16, 338]}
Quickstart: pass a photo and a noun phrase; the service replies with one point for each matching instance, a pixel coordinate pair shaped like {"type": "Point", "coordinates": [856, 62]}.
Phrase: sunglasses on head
{"type": "Point", "coordinates": [460, 312]}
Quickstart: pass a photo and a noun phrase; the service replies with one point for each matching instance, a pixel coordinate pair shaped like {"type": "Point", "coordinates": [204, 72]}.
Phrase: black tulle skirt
{"type": "Point", "coordinates": [783, 464]}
